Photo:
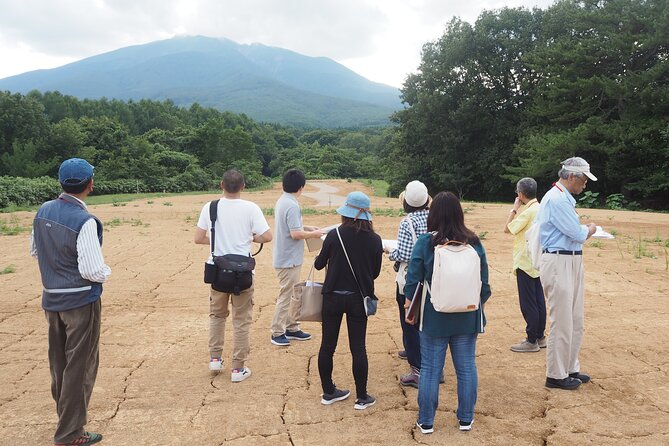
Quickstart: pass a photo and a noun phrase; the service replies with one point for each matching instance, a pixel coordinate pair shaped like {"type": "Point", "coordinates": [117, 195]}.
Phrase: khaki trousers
{"type": "Point", "coordinates": [74, 337]}
{"type": "Point", "coordinates": [285, 314]}
{"type": "Point", "coordinates": [242, 316]}
{"type": "Point", "coordinates": [562, 278]}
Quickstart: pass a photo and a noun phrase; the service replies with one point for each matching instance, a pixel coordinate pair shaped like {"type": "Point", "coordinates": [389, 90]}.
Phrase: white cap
{"type": "Point", "coordinates": [415, 194]}
{"type": "Point", "coordinates": [578, 165]}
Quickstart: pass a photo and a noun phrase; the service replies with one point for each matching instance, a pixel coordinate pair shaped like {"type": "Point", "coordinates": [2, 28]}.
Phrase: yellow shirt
{"type": "Point", "coordinates": [517, 227]}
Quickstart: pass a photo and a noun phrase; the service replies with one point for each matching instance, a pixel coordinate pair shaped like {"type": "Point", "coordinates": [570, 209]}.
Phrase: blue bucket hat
{"type": "Point", "coordinates": [75, 171]}
{"type": "Point", "coordinates": [356, 207]}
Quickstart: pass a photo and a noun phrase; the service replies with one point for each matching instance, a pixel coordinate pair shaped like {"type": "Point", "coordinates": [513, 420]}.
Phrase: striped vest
{"type": "Point", "coordinates": [55, 230]}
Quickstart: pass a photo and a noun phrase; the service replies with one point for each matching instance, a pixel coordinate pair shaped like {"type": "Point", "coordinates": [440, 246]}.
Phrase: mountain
{"type": "Point", "coordinates": [268, 84]}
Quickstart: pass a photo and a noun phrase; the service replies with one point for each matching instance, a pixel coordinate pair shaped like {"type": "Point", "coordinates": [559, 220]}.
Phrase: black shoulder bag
{"type": "Point", "coordinates": [230, 273]}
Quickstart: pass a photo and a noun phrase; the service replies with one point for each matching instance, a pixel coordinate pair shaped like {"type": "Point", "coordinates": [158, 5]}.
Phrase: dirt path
{"type": "Point", "coordinates": [154, 388]}
{"type": "Point", "coordinates": [325, 195]}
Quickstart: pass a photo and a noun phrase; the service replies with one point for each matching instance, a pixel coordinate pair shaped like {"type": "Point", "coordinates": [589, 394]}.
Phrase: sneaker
{"type": "Point", "coordinates": [239, 375]}
{"type": "Point", "coordinates": [84, 440]}
{"type": "Point", "coordinates": [215, 365]}
{"type": "Point", "coordinates": [411, 379]}
{"type": "Point", "coordinates": [337, 395]}
{"type": "Point", "coordinates": [298, 335]}
{"type": "Point", "coordinates": [364, 403]}
{"type": "Point", "coordinates": [525, 347]}
{"type": "Point", "coordinates": [465, 425]}
{"type": "Point", "coordinates": [402, 354]}
{"type": "Point", "coordinates": [580, 376]}
{"type": "Point", "coordinates": [542, 342]}
{"type": "Point", "coordinates": [567, 383]}
{"type": "Point", "coordinates": [425, 428]}
{"type": "Point", "coordinates": [281, 340]}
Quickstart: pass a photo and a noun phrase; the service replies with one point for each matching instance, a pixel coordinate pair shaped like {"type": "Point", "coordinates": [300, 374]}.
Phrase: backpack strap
{"type": "Point", "coordinates": [414, 237]}
{"type": "Point", "coordinates": [213, 214]}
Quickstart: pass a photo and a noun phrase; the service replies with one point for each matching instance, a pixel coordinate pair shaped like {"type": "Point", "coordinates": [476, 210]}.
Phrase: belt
{"type": "Point", "coordinates": [563, 252]}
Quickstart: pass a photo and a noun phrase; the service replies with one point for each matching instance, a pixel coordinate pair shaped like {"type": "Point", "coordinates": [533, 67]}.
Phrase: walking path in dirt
{"type": "Point", "coordinates": [325, 195]}
{"type": "Point", "coordinates": [154, 387]}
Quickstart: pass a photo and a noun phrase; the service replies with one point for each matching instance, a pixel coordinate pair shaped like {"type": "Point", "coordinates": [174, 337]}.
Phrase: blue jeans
{"type": "Point", "coordinates": [410, 333]}
{"type": "Point", "coordinates": [433, 353]}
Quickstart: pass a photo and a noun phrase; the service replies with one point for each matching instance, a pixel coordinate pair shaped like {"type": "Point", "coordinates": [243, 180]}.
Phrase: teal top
{"type": "Point", "coordinates": [438, 324]}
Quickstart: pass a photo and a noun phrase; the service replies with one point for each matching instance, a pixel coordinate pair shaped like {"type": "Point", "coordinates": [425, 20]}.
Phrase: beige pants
{"type": "Point", "coordinates": [242, 315]}
{"type": "Point", "coordinates": [563, 278]}
{"type": "Point", "coordinates": [285, 314]}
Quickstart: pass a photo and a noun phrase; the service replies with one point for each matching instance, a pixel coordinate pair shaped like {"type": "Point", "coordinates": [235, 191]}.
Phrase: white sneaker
{"type": "Point", "coordinates": [239, 375]}
{"type": "Point", "coordinates": [215, 365]}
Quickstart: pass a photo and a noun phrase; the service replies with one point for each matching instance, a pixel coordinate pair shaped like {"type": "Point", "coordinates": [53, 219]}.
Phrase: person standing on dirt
{"type": "Point", "coordinates": [562, 275]}
{"type": "Point", "coordinates": [342, 294]}
{"type": "Point", "coordinates": [415, 201]}
{"type": "Point", "coordinates": [530, 292]}
{"type": "Point", "coordinates": [288, 256]}
{"type": "Point", "coordinates": [67, 241]}
{"type": "Point", "coordinates": [238, 224]}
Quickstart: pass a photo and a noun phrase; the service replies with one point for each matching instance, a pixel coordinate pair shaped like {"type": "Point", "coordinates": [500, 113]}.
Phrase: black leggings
{"type": "Point", "coordinates": [334, 308]}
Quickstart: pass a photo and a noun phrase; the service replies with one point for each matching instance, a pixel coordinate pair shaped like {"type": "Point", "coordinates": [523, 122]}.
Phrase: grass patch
{"type": "Point", "coordinates": [596, 244]}
{"type": "Point", "coordinates": [11, 227]}
{"type": "Point", "coordinates": [8, 270]}
{"type": "Point", "coordinates": [483, 235]}
{"type": "Point", "coordinates": [132, 222]}
{"type": "Point", "coordinates": [167, 203]}
{"type": "Point", "coordinates": [379, 187]}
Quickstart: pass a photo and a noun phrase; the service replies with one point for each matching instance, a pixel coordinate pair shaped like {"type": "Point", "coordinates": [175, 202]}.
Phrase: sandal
{"type": "Point", "coordinates": [84, 440]}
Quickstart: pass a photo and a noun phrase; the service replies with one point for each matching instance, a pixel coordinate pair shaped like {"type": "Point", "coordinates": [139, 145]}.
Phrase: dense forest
{"type": "Point", "coordinates": [509, 96]}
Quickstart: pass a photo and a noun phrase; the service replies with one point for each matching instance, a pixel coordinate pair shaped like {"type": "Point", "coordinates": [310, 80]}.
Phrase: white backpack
{"type": "Point", "coordinates": [456, 278]}
{"type": "Point", "coordinates": [533, 243]}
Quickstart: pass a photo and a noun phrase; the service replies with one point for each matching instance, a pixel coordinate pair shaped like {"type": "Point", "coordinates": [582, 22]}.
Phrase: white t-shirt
{"type": "Point", "coordinates": [236, 223]}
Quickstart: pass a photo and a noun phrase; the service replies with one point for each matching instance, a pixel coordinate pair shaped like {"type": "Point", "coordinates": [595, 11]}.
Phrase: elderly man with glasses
{"type": "Point", "coordinates": [530, 292]}
{"type": "Point", "coordinates": [562, 276]}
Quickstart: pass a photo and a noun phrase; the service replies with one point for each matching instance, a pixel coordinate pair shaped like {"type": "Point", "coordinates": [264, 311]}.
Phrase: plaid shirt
{"type": "Point", "coordinates": [405, 240]}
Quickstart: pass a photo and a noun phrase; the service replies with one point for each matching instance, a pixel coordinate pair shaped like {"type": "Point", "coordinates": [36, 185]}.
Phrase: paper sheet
{"type": "Point", "coordinates": [389, 245]}
{"type": "Point", "coordinates": [600, 233]}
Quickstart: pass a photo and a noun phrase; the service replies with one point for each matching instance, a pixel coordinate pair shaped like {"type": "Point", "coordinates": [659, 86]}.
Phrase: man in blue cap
{"type": "Point", "coordinates": [67, 242]}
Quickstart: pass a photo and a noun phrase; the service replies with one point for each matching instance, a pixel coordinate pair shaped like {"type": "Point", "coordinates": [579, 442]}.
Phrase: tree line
{"type": "Point", "coordinates": [520, 90]}
{"type": "Point", "coordinates": [506, 97]}
{"type": "Point", "coordinates": [151, 146]}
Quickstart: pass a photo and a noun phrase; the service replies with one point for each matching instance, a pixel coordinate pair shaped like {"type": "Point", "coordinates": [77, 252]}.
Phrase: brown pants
{"type": "Point", "coordinates": [242, 316]}
{"type": "Point", "coordinates": [74, 337]}
{"type": "Point", "coordinates": [285, 313]}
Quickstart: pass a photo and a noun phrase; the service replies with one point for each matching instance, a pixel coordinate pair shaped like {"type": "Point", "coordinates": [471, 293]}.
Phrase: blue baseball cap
{"type": "Point", "coordinates": [75, 171]}
{"type": "Point", "coordinates": [356, 207]}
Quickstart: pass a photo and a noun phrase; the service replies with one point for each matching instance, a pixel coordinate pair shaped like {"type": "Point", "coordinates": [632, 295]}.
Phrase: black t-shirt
{"type": "Point", "coordinates": [365, 251]}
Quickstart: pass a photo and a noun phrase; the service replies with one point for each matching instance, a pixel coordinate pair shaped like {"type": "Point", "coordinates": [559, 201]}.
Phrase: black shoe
{"type": "Point", "coordinates": [425, 428]}
{"type": "Point", "coordinates": [337, 395]}
{"type": "Point", "coordinates": [568, 383]}
{"type": "Point", "coordinates": [402, 354]}
{"type": "Point", "coordinates": [580, 376]}
{"type": "Point", "coordinates": [364, 403]}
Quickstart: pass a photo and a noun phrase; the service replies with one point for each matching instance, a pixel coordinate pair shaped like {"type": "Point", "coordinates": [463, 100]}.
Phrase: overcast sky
{"type": "Point", "coordinates": [379, 39]}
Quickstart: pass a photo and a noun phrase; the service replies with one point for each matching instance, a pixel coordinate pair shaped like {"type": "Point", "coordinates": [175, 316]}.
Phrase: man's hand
{"type": "Point", "coordinates": [592, 228]}
{"type": "Point", "coordinates": [517, 204]}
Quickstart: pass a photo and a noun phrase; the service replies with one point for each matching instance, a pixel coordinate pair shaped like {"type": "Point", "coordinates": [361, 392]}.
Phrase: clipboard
{"type": "Point", "coordinates": [414, 307]}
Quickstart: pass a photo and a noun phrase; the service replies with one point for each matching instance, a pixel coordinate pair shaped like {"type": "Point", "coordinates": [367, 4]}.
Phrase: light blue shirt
{"type": "Point", "coordinates": [560, 227]}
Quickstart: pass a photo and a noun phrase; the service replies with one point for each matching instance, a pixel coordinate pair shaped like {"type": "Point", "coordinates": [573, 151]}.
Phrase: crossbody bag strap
{"type": "Point", "coordinates": [349, 262]}
{"type": "Point", "coordinates": [213, 213]}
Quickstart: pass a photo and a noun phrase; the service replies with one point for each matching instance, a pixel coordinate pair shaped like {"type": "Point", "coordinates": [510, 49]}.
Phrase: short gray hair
{"type": "Point", "coordinates": [528, 187]}
{"type": "Point", "coordinates": [573, 161]}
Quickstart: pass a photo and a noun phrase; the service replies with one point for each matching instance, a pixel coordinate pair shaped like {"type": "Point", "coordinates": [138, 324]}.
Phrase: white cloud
{"type": "Point", "coordinates": [379, 39]}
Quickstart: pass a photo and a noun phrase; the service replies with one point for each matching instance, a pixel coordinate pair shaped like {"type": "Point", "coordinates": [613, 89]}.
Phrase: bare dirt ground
{"type": "Point", "coordinates": [154, 387]}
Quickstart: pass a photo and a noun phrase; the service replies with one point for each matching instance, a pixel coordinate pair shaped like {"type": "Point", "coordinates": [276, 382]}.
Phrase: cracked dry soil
{"type": "Point", "coordinates": [154, 387]}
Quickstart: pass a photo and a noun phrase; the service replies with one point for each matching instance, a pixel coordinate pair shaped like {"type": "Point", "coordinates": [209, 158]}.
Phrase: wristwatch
{"type": "Point", "coordinates": [513, 211]}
